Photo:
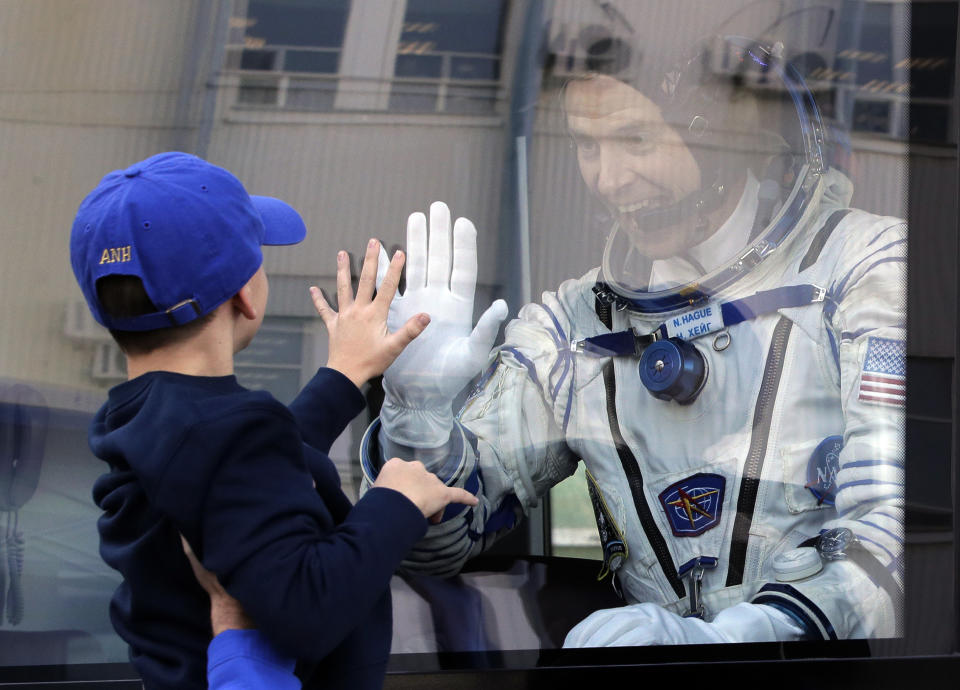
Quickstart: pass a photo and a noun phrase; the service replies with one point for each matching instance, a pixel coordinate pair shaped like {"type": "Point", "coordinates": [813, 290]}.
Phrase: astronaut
{"type": "Point", "coordinates": [732, 374]}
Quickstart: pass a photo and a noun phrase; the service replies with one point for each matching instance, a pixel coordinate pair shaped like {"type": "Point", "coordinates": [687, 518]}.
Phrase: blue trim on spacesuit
{"type": "Point", "coordinates": [880, 234]}
{"type": "Point", "coordinates": [803, 621]}
{"type": "Point", "coordinates": [879, 546]}
{"type": "Point", "coordinates": [872, 463]}
{"type": "Point", "coordinates": [504, 517]}
{"type": "Point", "coordinates": [840, 288]}
{"type": "Point", "coordinates": [566, 412]}
{"type": "Point", "coordinates": [531, 369]}
{"type": "Point", "coordinates": [473, 486]}
{"type": "Point", "coordinates": [853, 335]}
{"type": "Point", "coordinates": [482, 382]}
{"type": "Point", "coordinates": [866, 482]}
{"type": "Point", "coordinates": [833, 349]}
{"type": "Point", "coordinates": [875, 513]}
{"type": "Point", "coordinates": [566, 358]}
{"type": "Point", "coordinates": [783, 594]}
{"type": "Point", "coordinates": [896, 566]}
{"type": "Point", "coordinates": [889, 259]}
{"type": "Point", "coordinates": [878, 499]}
{"type": "Point", "coordinates": [556, 324]}
{"type": "Point", "coordinates": [447, 547]}
{"type": "Point", "coordinates": [566, 369]}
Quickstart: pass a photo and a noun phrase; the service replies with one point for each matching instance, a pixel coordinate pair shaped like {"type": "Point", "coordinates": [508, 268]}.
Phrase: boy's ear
{"type": "Point", "coordinates": [243, 302]}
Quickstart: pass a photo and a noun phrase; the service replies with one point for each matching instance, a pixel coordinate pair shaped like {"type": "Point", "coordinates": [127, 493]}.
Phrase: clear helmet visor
{"type": "Point", "coordinates": [703, 174]}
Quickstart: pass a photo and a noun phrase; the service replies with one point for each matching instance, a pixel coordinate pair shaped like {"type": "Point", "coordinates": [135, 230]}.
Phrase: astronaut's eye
{"type": "Point", "coordinates": [637, 142]}
{"type": "Point", "coordinates": [587, 147]}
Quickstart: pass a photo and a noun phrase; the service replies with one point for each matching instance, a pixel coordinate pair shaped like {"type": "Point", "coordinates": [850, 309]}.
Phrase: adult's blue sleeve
{"type": "Point", "coordinates": [245, 660]}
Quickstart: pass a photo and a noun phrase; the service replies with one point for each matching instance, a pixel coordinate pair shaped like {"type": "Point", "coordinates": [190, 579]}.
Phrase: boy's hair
{"type": "Point", "coordinates": [123, 297]}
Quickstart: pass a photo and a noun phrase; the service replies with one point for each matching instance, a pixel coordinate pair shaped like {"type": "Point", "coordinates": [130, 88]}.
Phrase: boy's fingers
{"type": "Point", "coordinates": [462, 496]}
{"type": "Point", "coordinates": [320, 304]}
{"type": "Point", "coordinates": [186, 546]}
{"type": "Point", "coordinates": [344, 289]}
{"type": "Point", "coordinates": [387, 284]}
{"type": "Point", "coordinates": [368, 272]}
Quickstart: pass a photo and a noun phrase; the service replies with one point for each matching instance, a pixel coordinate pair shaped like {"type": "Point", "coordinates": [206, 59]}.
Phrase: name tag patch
{"type": "Point", "coordinates": [695, 323]}
{"type": "Point", "coordinates": [693, 505]}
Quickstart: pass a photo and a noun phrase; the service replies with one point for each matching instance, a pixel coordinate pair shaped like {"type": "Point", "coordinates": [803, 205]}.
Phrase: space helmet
{"type": "Point", "coordinates": [744, 116]}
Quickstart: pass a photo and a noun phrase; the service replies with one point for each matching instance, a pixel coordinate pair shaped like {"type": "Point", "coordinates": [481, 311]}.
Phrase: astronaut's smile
{"type": "Point", "coordinates": [646, 204]}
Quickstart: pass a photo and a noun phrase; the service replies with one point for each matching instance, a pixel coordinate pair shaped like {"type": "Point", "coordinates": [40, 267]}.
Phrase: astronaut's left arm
{"type": "Point", "coordinates": [859, 591]}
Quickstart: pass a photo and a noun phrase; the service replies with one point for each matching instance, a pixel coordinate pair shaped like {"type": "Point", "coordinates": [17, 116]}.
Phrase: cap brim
{"type": "Point", "coordinates": [281, 222]}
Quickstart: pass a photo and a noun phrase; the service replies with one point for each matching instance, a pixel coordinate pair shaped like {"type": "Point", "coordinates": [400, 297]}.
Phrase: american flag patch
{"type": "Point", "coordinates": [884, 375]}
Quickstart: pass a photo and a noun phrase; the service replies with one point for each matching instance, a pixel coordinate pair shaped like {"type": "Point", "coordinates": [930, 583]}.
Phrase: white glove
{"type": "Point", "coordinates": [641, 625]}
{"type": "Point", "coordinates": [423, 381]}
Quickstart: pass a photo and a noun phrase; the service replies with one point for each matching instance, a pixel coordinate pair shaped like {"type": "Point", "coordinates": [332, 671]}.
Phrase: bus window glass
{"type": "Point", "coordinates": [700, 415]}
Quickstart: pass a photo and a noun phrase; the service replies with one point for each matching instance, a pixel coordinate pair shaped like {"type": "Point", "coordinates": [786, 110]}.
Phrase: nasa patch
{"type": "Point", "coordinates": [693, 505]}
{"type": "Point", "coordinates": [822, 469]}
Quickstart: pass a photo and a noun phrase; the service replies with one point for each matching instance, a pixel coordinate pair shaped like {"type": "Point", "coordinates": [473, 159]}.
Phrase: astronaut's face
{"type": "Point", "coordinates": [633, 160]}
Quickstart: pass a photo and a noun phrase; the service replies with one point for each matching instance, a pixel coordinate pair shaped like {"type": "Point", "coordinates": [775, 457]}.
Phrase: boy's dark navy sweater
{"type": "Point", "coordinates": [232, 470]}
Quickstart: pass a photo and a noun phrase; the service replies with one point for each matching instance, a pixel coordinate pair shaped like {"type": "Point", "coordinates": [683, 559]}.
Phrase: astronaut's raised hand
{"type": "Point", "coordinates": [641, 625]}
{"type": "Point", "coordinates": [421, 384]}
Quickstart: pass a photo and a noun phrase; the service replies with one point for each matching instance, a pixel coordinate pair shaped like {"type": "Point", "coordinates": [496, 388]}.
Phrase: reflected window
{"type": "Point", "coordinates": [295, 45]}
{"type": "Point", "coordinates": [448, 57]}
{"type": "Point", "coordinates": [880, 89]}
{"type": "Point", "coordinates": [332, 55]}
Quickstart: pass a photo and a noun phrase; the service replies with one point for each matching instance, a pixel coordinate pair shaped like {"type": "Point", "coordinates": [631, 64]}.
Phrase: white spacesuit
{"type": "Point", "coordinates": [740, 419]}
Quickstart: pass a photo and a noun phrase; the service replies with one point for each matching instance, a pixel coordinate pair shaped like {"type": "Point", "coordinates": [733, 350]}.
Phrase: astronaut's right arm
{"type": "Point", "coordinates": [505, 447]}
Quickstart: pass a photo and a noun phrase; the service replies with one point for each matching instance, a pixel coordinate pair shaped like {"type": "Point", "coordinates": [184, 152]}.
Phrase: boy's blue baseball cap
{"type": "Point", "coordinates": [186, 228]}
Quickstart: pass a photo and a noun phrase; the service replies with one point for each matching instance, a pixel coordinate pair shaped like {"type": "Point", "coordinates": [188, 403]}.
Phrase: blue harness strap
{"type": "Point", "coordinates": [694, 322]}
{"type": "Point", "coordinates": [770, 301]}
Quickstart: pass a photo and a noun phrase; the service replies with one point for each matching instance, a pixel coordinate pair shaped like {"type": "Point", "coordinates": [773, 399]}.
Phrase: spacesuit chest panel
{"type": "Point", "coordinates": [694, 458]}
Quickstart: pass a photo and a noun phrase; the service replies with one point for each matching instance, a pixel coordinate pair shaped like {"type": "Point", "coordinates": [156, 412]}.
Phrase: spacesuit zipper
{"type": "Point", "coordinates": [635, 479]}
{"type": "Point", "coordinates": [752, 468]}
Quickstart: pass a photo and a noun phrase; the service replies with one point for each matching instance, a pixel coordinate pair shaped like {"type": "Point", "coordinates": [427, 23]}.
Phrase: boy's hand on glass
{"type": "Point", "coordinates": [361, 346]}
{"type": "Point", "coordinates": [423, 488]}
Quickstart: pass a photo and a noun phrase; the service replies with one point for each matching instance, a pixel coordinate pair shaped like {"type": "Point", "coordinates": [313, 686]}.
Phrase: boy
{"type": "Point", "coordinates": [167, 254]}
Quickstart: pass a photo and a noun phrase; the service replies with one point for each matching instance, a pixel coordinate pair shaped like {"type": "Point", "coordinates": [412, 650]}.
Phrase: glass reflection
{"type": "Point", "coordinates": [732, 375]}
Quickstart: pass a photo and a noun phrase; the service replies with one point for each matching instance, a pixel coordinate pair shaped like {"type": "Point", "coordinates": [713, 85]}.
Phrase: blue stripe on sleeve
{"type": "Point", "coordinates": [879, 499]}
{"type": "Point", "coordinates": [896, 538]}
{"type": "Point", "coordinates": [531, 369]}
{"type": "Point", "coordinates": [878, 545]}
{"type": "Point", "coordinates": [866, 482]}
{"type": "Point", "coordinates": [873, 463]}
{"type": "Point", "coordinates": [787, 593]}
{"type": "Point", "coordinates": [880, 234]}
{"type": "Point", "coordinates": [556, 324]}
{"type": "Point", "coordinates": [889, 259]}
